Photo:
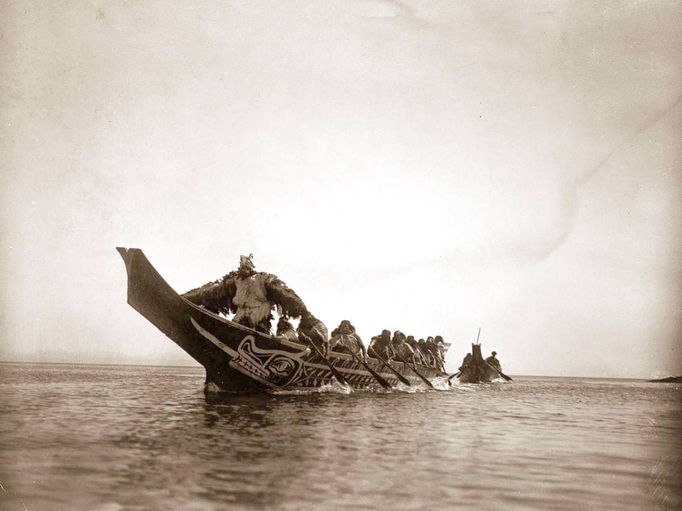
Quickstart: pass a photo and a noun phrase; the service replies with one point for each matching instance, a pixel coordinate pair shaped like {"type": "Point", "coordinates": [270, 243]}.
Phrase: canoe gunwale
{"type": "Point", "coordinates": [238, 358]}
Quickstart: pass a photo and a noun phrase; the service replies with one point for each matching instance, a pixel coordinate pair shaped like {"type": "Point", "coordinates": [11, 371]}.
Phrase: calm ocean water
{"type": "Point", "coordinates": [113, 437]}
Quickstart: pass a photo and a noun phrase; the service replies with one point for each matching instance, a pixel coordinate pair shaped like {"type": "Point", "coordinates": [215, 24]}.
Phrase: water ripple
{"type": "Point", "coordinates": [128, 438]}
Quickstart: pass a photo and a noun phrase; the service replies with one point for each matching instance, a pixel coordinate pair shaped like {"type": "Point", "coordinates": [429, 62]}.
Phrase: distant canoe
{"type": "Point", "coordinates": [478, 370]}
{"type": "Point", "coordinates": [237, 358]}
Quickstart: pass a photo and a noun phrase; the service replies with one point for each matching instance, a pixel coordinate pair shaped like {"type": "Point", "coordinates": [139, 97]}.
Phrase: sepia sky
{"type": "Point", "coordinates": [425, 166]}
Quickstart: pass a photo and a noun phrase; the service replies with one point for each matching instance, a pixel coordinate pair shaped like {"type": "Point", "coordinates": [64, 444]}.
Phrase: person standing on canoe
{"type": "Point", "coordinates": [252, 295]}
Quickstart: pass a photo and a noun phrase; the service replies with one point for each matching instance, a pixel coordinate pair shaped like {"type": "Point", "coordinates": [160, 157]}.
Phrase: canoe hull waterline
{"type": "Point", "coordinates": [237, 358]}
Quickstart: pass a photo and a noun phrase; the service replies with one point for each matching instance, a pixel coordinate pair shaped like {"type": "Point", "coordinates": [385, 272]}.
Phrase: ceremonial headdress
{"type": "Point", "coordinates": [246, 262]}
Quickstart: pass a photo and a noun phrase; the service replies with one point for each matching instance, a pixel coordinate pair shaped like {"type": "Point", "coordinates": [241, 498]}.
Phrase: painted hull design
{"type": "Point", "coordinates": [237, 358]}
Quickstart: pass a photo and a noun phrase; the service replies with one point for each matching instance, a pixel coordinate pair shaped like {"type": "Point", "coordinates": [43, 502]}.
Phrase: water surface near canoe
{"type": "Point", "coordinates": [110, 438]}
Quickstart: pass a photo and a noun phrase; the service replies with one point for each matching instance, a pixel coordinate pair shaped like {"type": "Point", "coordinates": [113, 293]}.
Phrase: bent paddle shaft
{"type": "Point", "coordinates": [402, 379]}
{"type": "Point", "coordinates": [382, 381]}
{"type": "Point", "coordinates": [414, 369]}
{"type": "Point", "coordinates": [333, 369]}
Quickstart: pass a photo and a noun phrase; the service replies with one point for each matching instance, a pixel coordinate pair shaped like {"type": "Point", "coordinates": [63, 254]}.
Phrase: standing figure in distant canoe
{"type": "Point", "coordinates": [252, 296]}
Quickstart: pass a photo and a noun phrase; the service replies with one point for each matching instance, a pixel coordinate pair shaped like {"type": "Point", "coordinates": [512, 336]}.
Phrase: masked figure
{"type": "Point", "coordinates": [252, 296]}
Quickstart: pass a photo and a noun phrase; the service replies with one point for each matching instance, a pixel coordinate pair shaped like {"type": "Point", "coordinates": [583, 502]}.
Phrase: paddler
{"type": "Point", "coordinates": [415, 348]}
{"type": "Point", "coordinates": [424, 352]}
{"type": "Point", "coordinates": [441, 346]}
{"type": "Point", "coordinates": [401, 348]}
{"type": "Point", "coordinates": [466, 363]}
{"type": "Point", "coordinates": [311, 329]}
{"type": "Point", "coordinates": [492, 360]}
{"type": "Point", "coordinates": [344, 338]}
{"type": "Point", "coordinates": [440, 349]}
{"type": "Point", "coordinates": [381, 345]}
{"type": "Point", "coordinates": [434, 355]}
{"type": "Point", "coordinates": [252, 296]}
{"type": "Point", "coordinates": [285, 330]}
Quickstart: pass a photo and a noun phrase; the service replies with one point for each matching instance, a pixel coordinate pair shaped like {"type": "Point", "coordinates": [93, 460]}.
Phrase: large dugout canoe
{"type": "Point", "coordinates": [237, 358]}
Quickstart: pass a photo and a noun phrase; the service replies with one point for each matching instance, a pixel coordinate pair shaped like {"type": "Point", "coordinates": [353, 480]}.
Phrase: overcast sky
{"type": "Point", "coordinates": [431, 167]}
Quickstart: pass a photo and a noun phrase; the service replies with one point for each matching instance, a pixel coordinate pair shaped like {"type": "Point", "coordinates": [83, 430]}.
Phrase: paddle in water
{"type": "Point", "coordinates": [415, 371]}
{"type": "Point", "coordinates": [508, 378]}
{"type": "Point", "coordinates": [402, 379]}
{"type": "Point", "coordinates": [339, 377]}
{"type": "Point", "coordinates": [456, 375]}
{"type": "Point", "coordinates": [382, 381]}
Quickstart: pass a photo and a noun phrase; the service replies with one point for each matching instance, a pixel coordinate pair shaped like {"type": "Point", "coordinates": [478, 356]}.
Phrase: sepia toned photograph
{"type": "Point", "coordinates": [340, 255]}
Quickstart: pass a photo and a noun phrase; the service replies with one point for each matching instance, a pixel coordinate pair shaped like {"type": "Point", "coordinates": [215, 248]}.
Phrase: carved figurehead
{"type": "Point", "coordinates": [252, 296]}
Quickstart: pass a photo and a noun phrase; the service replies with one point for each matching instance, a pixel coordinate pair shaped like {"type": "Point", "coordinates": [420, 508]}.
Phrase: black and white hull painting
{"type": "Point", "coordinates": [238, 358]}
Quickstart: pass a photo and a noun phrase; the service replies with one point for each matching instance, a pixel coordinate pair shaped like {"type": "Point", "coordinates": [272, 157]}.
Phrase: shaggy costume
{"type": "Point", "coordinates": [251, 296]}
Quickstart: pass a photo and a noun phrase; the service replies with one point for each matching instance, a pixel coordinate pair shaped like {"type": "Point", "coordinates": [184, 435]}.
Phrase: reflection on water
{"type": "Point", "coordinates": [109, 438]}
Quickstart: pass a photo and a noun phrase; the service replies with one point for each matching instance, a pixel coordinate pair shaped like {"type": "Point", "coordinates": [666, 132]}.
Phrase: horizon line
{"type": "Point", "coordinates": [197, 366]}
